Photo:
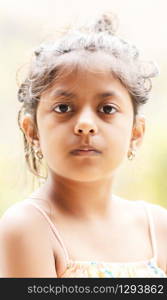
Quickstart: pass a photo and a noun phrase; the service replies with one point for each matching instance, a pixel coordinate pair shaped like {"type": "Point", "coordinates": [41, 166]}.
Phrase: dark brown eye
{"type": "Point", "coordinates": [108, 109]}
{"type": "Point", "coordinates": [63, 108]}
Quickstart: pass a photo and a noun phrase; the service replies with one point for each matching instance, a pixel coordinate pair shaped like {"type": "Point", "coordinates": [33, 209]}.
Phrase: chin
{"type": "Point", "coordinates": [83, 176]}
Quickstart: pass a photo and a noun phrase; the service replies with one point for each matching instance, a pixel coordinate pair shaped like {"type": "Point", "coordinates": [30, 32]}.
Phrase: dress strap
{"type": "Point", "coordinates": [151, 228]}
{"type": "Point", "coordinates": [53, 227]}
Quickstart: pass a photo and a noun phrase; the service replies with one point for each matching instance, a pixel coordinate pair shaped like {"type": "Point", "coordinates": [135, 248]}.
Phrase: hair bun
{"type": "Point", "coordinates": [107, 22]}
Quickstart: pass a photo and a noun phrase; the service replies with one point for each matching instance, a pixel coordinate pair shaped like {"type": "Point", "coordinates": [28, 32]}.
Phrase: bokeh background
{"type": "Point", "coordinates": [23, 25]}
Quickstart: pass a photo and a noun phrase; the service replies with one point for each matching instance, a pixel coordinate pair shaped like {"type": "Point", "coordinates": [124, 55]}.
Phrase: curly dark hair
{"type": "Point", "coordinates": [46, 66]}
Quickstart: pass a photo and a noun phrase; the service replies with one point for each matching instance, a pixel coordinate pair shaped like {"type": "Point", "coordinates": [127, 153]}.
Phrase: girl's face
{"type": "Point", "coordinates": [85, 108]}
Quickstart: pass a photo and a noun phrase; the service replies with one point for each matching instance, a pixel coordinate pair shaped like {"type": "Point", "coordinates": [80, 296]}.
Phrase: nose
{"type": "Point", "coordinates": [85, 124]}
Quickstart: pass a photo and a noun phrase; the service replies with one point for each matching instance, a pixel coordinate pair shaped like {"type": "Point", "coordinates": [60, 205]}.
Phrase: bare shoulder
{"type": "Point", "coordinates": [21, 217]}
{"type": "Point", "coordinates": [159, 214]}
{"type": "Point", "coordinates": [25, 244]}
{"type": "Point", "coordinates": [159, 217]}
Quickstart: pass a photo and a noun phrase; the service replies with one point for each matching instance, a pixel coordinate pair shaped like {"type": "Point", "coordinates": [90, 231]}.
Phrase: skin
{"type": "Point", "coordinates": [73, 179]}
{"type": "Point", "coordinates": [79, 189]}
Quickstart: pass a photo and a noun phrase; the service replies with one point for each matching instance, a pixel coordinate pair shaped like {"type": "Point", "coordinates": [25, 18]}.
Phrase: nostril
{"type": "Point", "coordinates": [90, 131]}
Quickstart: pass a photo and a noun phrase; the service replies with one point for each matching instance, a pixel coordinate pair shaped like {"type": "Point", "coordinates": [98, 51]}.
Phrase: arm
{"type": "Point", "coordinates": [25, 247]}
{"type": "Point", "coordinates": [160, 220]}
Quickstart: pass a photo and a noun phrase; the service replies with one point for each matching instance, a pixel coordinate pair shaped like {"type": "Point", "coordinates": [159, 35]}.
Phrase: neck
{"type": "Point", "coordinates": [87, 200]}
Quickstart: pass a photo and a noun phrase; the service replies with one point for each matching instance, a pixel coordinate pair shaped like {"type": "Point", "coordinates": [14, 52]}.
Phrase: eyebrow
{"type": "Point", "coordinates": [106, 94]}
{"type": "Point", "coordinates": [63, 93]}
{"type": "Point", "coordinates": [102, 96]}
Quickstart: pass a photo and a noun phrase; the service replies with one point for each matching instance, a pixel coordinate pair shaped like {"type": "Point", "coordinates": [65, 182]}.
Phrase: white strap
{"type": "Point", "coordinates": [53, 227]}
{"type": "Point", "coordinates": [152, 229]}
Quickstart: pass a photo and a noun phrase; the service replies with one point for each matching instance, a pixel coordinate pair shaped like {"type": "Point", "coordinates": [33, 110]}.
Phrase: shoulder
{"type": "Point", "coordinates": [135, 209]}
{"type": "Point", "coordinates": [159, 214]}
{"type": "Point", "coordinates": [25, 244]}
{"type": "Point", "coordinates": [21, 217]}
{"type": "Point", "coordinates": [159, 217]}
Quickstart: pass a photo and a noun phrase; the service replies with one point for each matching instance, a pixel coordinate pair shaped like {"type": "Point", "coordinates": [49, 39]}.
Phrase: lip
{"type": "Point", "coordinates": [82, 152]}
{"type": "Point", "coordinates": [85, 150]}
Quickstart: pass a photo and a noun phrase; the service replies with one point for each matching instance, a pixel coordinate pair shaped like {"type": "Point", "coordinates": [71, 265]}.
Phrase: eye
{"type": "Point", "coordinates": [108, 109]}
{"type": "Point", "coordinates": [63, 108]}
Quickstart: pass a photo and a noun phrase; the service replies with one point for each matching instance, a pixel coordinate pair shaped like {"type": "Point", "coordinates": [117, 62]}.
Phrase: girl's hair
{"type": "Point", "coordinates": [49, 59]}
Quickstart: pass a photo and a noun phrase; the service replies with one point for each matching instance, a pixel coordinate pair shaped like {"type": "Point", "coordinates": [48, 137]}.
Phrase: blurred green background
{"type": "Point", "coordinates": [23, 25]}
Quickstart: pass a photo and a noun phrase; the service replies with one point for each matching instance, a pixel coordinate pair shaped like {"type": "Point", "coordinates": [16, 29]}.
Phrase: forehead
{"type": "Point", "coordinates": [83, 66]}
{"type": "Point", "coordinates": [86, 76]}
{"type": "Point", "coordinates": [87, 72]}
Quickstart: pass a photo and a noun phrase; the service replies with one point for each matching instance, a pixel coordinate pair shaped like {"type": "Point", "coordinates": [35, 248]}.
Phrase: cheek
{"type": "Point", "coordinates": [122, 137]}
{"type": "Point", "coordinates": [55, 144]}
{"type": "Point", "coordinates": [51, 143]}
{"type": "Point", "coordinates": [118, 142]}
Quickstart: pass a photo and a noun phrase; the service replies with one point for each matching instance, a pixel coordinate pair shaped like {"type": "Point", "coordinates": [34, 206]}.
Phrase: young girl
{"type": "Point", "coordinates": [80, 118]}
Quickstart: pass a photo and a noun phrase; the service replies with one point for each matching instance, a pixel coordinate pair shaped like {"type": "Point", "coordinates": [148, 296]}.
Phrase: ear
{"type": "Point", "coordinates": [29, 128]}
{"type": "Point", "coordinates": [138, 132]}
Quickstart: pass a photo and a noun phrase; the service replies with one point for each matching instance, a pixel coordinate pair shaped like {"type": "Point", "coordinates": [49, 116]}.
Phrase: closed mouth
{"type": "Point", "coordinates": [85, 151]}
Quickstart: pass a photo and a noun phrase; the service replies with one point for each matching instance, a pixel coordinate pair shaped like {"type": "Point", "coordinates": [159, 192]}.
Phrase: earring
{"type": "Point", "coordinates": [131, 154]}
{"type": "Point", "coordinates": [38, 154]}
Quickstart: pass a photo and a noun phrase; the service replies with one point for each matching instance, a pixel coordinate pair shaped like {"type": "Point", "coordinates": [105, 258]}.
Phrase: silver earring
{"type": "Point", "coordinates": [38, 154]}
{"type": "Point", "coordinates": [131, 154]}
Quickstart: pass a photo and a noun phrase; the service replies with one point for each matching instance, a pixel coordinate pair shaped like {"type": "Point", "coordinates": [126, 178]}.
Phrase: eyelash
{"type": "Point", "coordinates": [69, 105]}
